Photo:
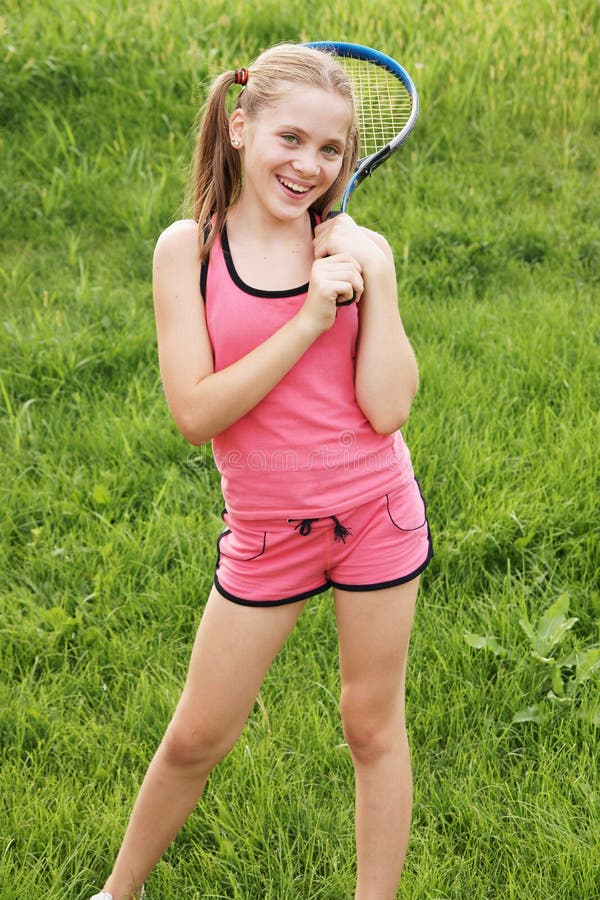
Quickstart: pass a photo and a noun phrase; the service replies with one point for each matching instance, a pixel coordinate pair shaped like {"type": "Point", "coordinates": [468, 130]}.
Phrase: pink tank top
{"type": "Point", "coordinates": [306, 449]}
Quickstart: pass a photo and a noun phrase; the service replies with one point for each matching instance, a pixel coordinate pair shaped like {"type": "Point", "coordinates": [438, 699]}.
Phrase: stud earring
{"type": "Point", "coordinates": [235, 142]}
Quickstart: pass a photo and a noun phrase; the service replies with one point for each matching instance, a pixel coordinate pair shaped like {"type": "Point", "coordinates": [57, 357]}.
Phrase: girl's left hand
{"type": "Point", "coordinates": [341, 234]}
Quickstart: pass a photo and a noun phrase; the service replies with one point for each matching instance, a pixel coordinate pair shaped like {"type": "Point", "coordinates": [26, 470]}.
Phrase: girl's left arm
{"type": "Point", "coordinates": [386, 377]}
{"type": "Point", "coordinates": [386, 368]}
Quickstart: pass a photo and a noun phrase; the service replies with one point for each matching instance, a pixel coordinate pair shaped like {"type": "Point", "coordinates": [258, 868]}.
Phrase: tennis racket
{"type": "Point", "coordinates": [387, 107]}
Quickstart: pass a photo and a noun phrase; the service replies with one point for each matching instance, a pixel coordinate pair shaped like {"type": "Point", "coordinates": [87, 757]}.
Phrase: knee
{"type": "Point", "coordinates": [195, 746]}
{"type": "Point", "coordinates": [370, 731]}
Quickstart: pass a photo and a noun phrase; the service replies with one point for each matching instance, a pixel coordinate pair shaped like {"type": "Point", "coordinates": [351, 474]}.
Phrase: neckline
{"type": "Point", "coordinates": [247, 288]}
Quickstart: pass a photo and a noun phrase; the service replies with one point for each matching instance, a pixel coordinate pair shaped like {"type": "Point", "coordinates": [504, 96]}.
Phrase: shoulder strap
{"type": "Point", "coordinates": [204, 267]}
{"type": "Point", "coordinates": [315, 220]}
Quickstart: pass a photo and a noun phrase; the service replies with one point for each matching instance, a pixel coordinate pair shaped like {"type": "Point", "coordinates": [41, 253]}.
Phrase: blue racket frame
{"type": "Point", "coordinates": [368, 164]}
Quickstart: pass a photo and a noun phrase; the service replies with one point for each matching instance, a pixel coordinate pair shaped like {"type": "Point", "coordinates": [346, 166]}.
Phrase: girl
{"type": "Point", "coordinates": [302, 400]}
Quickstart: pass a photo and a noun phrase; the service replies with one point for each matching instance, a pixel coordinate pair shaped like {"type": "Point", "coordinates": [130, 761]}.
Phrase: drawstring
{"type": "Point", "coordinates": [304, 527]}
{"type": "Point", "coordinates": [340, 531]}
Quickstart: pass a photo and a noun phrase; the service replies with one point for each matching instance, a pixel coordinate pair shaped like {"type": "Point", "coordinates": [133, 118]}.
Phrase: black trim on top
{"type": "Point", "coordinates": [204, 266]}
{"type": "Point", "coordinates": [248, 289]}
{"type": "Point", "coordinates": [203, 279]}
{"type": "Point", "coordinates": [255, 292]}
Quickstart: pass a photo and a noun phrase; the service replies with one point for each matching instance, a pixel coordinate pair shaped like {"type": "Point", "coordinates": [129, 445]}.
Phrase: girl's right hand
{"type": "Point", "coordinates": [332, 278]}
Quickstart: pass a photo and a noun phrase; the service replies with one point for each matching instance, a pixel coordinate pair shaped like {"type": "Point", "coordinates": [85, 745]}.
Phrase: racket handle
{"type": "Point", "coordinates": [338, 302]}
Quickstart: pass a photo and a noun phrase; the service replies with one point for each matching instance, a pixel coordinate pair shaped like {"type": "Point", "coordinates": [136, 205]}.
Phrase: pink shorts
{"type": "Point", "coordinates": [378, 544]}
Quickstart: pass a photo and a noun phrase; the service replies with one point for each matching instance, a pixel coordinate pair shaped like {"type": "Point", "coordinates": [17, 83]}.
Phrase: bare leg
{"type": "Point", "coordinates": [234, 647]}
{"type": "Point", "coordinates": [374, 632]}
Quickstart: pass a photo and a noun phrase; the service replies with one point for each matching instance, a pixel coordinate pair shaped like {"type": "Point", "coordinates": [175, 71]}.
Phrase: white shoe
{"type": "Point", "coordinates": [104, 895]}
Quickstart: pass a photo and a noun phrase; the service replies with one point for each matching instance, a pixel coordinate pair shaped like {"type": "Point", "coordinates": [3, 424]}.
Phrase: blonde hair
{"type": "Point", "coordinates": [217, 169]}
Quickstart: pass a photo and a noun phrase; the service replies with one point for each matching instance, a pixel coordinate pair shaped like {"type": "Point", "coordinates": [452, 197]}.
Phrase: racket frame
{"type": "Point", "coordinates": [367, 165]}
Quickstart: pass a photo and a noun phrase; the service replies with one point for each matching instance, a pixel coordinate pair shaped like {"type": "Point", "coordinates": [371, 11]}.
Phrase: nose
{"type": "Point", "coordinates": [306, 163]}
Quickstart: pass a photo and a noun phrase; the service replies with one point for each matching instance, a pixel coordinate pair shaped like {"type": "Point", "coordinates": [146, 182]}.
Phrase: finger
{"type": "Point", "coordinates": [342, 292]}
{"type": "Point", "coordinates": [331, 236]}
{"type": "Point", "coordinates": [335, 216]}
{"type": "Point", "coordinates": [351, 274]}
{"type": "Point", "coordinates": [341, 267]}
{"type": "Point", "coordinates": [323, 247]}
{"type": "Point", "coordinates": [357, 284]}
{"type": "Point", "coordinates": [340, 259]}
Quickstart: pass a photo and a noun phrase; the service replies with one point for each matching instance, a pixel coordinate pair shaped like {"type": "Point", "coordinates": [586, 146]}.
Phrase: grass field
{"type": "Point", "coordinates": [108, 518]}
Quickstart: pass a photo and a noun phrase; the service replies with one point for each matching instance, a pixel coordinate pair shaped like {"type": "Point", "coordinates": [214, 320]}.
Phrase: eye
{"type": "Point", "coordinates": [290, 138]}
{"type": "Point", "coordinates": [330, 151]}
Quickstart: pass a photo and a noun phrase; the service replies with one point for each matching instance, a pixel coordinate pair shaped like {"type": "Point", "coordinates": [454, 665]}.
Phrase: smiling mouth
{"type": "Point", "coordinates": [298, 189]}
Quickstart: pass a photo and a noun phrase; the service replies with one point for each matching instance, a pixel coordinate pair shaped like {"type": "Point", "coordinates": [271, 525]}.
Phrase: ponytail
{"type": "Point", "coordinates": [217, 166]}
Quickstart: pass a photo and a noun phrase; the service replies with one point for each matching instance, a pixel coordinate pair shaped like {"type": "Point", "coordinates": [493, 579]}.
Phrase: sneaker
{"type": "Point", "coordinates": [104, 895]}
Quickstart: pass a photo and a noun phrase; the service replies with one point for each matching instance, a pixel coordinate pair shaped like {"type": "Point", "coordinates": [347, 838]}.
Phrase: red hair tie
{"type": "Point", "coordinates": [241, 76]}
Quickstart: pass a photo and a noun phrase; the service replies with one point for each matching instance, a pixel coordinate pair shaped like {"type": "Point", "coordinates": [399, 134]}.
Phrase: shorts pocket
{"type": "Point", "coordinates": [406, 508]}
{"type": "Point", "coordinates": [242, 544]}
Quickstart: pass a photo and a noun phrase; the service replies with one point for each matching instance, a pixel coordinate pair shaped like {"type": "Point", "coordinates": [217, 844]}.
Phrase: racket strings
{"type": "Point", "coordinates": [383, 104]}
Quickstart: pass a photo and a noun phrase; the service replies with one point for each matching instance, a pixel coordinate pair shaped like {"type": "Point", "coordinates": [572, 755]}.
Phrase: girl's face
{"type": "Point", "coordinates": [293, 149]}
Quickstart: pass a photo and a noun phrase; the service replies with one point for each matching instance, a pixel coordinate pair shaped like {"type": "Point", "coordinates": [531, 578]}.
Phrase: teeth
{"type": "Point", "coordinates": [298, 189]}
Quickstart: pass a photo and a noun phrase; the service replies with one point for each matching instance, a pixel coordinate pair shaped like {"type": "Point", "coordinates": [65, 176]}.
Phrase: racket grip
{"type": "Point", "coordinates": [338, 302]}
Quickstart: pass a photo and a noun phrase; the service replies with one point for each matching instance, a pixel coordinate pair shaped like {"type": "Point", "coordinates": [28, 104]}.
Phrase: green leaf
{"type": "Point", "coordinates": [477, 641]}
{"type": "Point", "coordinates": [559, 699]}
{"type": "Point", "coordinates": [552, 627]}
{"type": "Point", "coordinates": [101, 494]}
{"type": "Point", "coordinates": [591, 716]}
{"type": "Point", "coordinates": [557, 682]}
{"type": "Point", "coordinates": [528, 629]}
{"type": "Point", "coordinates": [569, 662]}
{"type": "Point", "coordinates": [489, 642]}
{"type": "Point", "coordinates": [587, 664]}
{"type": "Point", "coordinates": [529, 714]}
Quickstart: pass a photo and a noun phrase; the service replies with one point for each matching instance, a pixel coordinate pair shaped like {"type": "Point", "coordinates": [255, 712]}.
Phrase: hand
{"type": "Point", "coordinates": [341, 234]}
{"type": "Point", "coordinates": [338, 275]}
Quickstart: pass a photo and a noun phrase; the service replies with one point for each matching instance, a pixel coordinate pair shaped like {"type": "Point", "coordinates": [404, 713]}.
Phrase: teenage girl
{"type": "Point", "coordinates": [302, 399]}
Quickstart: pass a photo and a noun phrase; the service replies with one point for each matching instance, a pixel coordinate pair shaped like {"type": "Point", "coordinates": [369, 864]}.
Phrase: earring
{"type": "Point", "coordinates": [235, 142]}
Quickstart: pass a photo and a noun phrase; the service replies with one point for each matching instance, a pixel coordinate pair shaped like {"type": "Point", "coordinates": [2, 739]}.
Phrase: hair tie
{"type": "Point", "coordinates": [241, 76]}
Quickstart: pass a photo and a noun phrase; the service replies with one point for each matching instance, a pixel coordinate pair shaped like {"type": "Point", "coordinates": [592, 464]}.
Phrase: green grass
{"type": "Point", "coordinates": [108, 519]}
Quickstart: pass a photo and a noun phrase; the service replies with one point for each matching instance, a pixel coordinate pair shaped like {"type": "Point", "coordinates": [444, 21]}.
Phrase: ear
{"type": "Point", "coordinates": [237, 124]}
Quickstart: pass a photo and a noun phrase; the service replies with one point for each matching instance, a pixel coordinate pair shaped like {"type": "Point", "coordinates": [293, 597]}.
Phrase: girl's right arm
{"type": "Point", "coordinates": [204, 402]}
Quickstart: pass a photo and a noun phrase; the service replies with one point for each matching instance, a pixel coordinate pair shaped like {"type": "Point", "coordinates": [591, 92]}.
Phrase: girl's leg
{"type": "Point", "coordinates": [233, 650]}
{"type": "Point", "coordinates": [374, 631]}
